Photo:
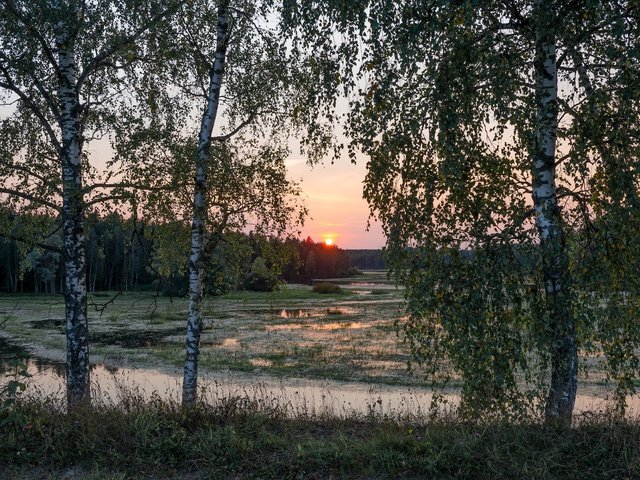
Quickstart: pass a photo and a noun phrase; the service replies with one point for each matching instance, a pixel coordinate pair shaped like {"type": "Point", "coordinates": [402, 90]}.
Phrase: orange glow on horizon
{"type": "Point", "coordinates": [336, 207]}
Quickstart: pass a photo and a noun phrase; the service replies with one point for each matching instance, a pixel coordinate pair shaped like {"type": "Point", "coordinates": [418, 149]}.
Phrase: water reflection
{"type": "Point", "coordinates": [317, 312]}
{"type": "Point", "coordinates": [297, 396]}
{"type": "Point", "coordinates": [298, 313]}
{"type": "Point", "coordinates": [318, 326]}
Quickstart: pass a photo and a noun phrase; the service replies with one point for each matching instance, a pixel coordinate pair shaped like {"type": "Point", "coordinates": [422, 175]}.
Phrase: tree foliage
{"type": "Point", "coordinates": [67, 68]}
{"type": "Point", "coordinates": [220, 125]}
{"type": "Point", "coordinates": [446, 106]}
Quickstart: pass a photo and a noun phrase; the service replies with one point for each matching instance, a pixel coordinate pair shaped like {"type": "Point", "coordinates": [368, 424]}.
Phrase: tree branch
{"type": "Point", "coordinates": [522, 20]}
{"type": "Point", "coordinates": [46, 246]}
{"type": "Point", "coordinates": [106, 198]}
{"type": "Point", "coordinates": [49, 182]}
{"type": "Point", "coordinates": [222, 138]}
{"type": "Point", "coordinates": [11, 86]}
{"type": "Point", "coordinates": [29, 27]}
{"type": "Point", "coordinates": [31, 198]}
{"type": "Point", "coordinates": [36, 81]}
{"type": "Point", "coordinates": [216, 236]}
{"type": "Point", "coordinates": [101, 57]}
{"type": "Point", "coordinates": [103, 306]}
{"type": "Point", "coordinates": [137, 186]}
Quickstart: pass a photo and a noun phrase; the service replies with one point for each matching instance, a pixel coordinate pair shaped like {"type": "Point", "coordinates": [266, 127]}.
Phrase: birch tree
{"type": "Point", "coordinates": [66, 68]}
{"type": "Point", "coordinates": [268, 186]}
{"type": "Point", "coordinates": [505, 191]}
{"type": "Point", "coordinates": [229, 174]}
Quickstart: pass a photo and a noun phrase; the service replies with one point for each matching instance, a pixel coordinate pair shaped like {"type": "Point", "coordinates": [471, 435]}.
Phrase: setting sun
{"type": "Point", "coordinates": [328, 242]}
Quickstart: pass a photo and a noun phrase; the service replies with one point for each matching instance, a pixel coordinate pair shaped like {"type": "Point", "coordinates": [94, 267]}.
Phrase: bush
{"type": "Point", "coordinates": [353, 272]}
{"type": "Point", "coordinates": [326, 287]}
{"type": "Point", "coordinates": [261, 279]}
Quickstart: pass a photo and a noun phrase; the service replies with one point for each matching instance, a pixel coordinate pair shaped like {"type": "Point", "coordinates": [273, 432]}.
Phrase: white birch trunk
{"type": "Point", "coordinates": [564, 360]}
{"type": "Point", "coordinates": [194, 321]}
{"type": "Point", "coordinates": [78, 383]}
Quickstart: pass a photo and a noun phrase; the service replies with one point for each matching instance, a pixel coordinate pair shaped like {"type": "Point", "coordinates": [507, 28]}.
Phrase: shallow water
{"type": "Point", "coordinates": [317, 312]}
{"type": "Point", "coordinates": [295, 396]}
{"type": "Point", "coordinates": [318, 326]}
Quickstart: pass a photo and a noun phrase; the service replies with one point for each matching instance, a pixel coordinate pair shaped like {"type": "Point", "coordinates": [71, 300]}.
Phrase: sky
{"type": "Point", "coordinates": [333, 195]}
{"type": "Point", "coordinates": [331, 192]}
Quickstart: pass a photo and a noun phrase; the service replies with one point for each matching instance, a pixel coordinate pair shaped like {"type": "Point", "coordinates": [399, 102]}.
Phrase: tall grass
{"type": "Point", "coordinates": [244, 437]}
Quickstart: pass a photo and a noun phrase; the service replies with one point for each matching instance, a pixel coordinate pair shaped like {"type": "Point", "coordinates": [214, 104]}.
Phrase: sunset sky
{"type": "Point", "coordinates": [333, 195]}
{"type": "Point", "coordinates": [331, 192]}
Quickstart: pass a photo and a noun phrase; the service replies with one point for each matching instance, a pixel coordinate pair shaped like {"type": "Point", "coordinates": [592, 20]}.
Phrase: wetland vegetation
{"type": "Point", "coordinates": [260, 420]}
{"type": "Point", "coordinates": [245, 433]}
{"type": "Point", "coordinates": [352, 337]}
{"type": "Point", "coordinates": [149, 146]}
{"type": "Point", "coordinates": [291, 332]}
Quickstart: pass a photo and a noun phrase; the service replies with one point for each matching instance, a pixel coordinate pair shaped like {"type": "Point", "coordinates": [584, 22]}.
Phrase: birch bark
{"type": "Point", "coordinates": [78, 381]}
{"type": "Point", "coordinates": [66, 64]}
{"type": "Point", "coordinates": [194, 320]}
{"type": "Point", "coordinates": [564, 360]}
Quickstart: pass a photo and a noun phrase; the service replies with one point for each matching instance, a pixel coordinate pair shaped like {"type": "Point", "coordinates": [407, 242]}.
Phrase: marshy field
{"type": "Point", "coordinates": [294, 332]}
{"type": "Point", "coordinates": [295, 384]}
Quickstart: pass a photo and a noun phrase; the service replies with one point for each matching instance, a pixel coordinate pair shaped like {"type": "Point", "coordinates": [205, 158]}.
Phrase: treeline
{"type": "Point", "coordinates": [118, 254]}
{"type": "Point", "coordinates": [128, 255]}
{"type": "Point", "coordinates": [367, 259]}
{"type": "Point", "coordinates": [318, 260]}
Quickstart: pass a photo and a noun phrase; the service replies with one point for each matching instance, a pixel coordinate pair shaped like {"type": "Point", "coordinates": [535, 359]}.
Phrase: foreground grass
{"type": "Point", "coordinates": [238, 439]}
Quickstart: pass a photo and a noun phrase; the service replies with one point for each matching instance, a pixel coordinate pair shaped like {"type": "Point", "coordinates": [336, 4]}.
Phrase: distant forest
{"type": "Point", "coordinates": [128, 255]}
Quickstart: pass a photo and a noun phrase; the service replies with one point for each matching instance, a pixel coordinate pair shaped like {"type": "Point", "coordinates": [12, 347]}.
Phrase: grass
{"type": "Point", "coordinates": [144, 331]}
{"type": "Point", "coordinates": [242, 438]}
{"type": "Point", "coordinates": [284, 294]}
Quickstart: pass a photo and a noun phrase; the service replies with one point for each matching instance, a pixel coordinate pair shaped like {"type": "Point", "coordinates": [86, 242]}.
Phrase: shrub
{"type": "Point", "coordinates": [326, 287]}
{"type": "Point", "coordinates": [353, 272]}
{"type": "Point", "coordinates": [261, 279]}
